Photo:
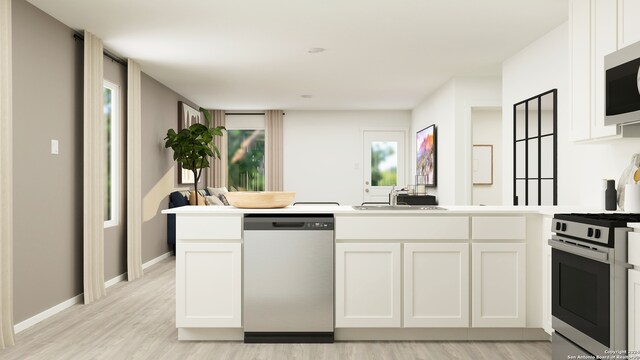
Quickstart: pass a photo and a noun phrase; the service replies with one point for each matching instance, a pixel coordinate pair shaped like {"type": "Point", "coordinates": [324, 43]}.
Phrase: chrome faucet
{"type": "Point", "coordinates": [393, 196]}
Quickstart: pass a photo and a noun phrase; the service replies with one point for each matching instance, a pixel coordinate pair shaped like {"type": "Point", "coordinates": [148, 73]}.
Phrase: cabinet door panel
{"type": "Point", "coordinates": [580, 44]}
{"type": "Point", "coordinates": [368, 285]}
{"type": "Point", "coordinates": [208, 285]}
{"type": "Point", "coordinates": [604, 34]}
{"type": "Point", "coordinates": [499, 285]}
{"type": "Point", "coordinates": [436, 285]}
{"type": "Point", "coordinates": [634, 310]}
{"type": "Point", "coordinates": [628, 24]}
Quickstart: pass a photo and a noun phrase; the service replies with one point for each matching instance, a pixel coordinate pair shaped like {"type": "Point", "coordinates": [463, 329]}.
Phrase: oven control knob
{"type": "Point", "coordinates": [590, 232]}
{"type": "Point", "coordinates": [564, 227]}
{"type": "Point", "coordinates": [597, 233]}
{"type": "Point", "coordinates": [558, 225]}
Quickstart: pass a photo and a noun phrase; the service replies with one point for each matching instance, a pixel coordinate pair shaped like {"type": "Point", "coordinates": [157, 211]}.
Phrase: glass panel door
{"type": "Point", "coordinates": [384, 161]}
{"type": "Point", "coordinates": [534, 150]}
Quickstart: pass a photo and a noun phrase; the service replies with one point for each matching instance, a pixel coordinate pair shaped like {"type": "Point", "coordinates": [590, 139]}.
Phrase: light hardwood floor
{"type": "Point", "coordinates": [137, 321]}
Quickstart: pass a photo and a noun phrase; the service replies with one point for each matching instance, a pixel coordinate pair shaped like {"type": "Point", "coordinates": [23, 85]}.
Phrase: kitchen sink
{"type": "Point", "coordinates": [398, 207]}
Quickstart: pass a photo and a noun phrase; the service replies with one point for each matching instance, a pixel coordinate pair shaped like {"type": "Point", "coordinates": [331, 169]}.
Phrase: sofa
{"type": "Point", "coordinates": [213, 196]}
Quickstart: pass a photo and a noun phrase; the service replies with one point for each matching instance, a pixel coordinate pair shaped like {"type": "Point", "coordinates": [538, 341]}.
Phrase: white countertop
{"type": "Point", "coordinates": [348, 210]}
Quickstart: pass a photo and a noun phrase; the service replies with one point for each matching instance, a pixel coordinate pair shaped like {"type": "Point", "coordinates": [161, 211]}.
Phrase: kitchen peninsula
{"type": "Point", "coordinates": [460, 273]}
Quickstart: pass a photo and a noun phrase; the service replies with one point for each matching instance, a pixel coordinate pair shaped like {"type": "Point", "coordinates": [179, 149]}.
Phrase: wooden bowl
{"type": "Point", "coordinates": [260, 200]}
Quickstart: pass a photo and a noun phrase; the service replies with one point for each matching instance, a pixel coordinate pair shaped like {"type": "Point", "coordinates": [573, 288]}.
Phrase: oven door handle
{"type": "Point", "coordinates": [580, 251]}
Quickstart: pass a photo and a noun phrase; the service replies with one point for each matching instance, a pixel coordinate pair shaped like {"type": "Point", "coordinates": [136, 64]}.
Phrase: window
{"type": "Point", "coordinates": [111, 95]}
{"type": "Point", "coordinates": [384, 163]}
{"type": "Point", "coordinates": [245, 152]}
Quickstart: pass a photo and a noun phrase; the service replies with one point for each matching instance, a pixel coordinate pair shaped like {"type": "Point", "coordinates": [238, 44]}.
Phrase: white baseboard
{"type": "Point", "coordinates": [156, 260]}
{"type": "Point", "coordinates": [115, 280]}
{"type": "Point", "coordinates": [47, 314]}
{"type": "Point", "coordinates": [77, 299]}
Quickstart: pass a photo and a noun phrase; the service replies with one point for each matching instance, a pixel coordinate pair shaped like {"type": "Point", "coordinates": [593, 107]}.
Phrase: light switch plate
{"type": "Point", "coordinates": [54, 147]}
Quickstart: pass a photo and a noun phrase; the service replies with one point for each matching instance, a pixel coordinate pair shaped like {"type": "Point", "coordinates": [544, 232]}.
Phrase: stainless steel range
{"type": "Point", "coordinates": [589, 283]}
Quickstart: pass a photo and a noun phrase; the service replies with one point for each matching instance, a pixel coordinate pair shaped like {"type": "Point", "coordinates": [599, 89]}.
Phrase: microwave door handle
{"type": "Point", "coordinates": [580, 251]}
{"type": "Point", "coordinates": [638, 79]}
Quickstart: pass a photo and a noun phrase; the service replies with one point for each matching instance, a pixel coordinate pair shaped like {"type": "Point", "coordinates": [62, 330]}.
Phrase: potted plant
{"type": "Point", "coordinates": [193, 146]}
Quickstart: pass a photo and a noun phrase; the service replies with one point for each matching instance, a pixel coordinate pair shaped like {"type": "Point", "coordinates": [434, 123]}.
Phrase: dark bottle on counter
{"type": "Point", "coordinates": [610, 196]}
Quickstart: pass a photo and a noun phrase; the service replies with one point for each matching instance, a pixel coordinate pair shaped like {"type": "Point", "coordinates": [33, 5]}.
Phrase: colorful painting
{"type": "Point", "coordinates": [426, 155]}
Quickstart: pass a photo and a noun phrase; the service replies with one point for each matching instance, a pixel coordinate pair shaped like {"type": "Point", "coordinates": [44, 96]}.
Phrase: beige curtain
{"type": "Point", "coordinates": [6, 176]}
{"type": "Point", "coordinates": [217, 172]}
{"type": "Point", "coordinates": [273, 150]}
{"type": "Point", "coordinates": [134, 173]}
{"type": "Point", "coordinates": [94, 170]}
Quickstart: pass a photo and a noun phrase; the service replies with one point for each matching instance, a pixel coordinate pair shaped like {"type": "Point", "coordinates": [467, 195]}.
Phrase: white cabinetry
{"type": "Point", "coordinates": [498, 285]}
{"type": "Point", "coordinates": [368, 282]}
{"type": "Point", "coordinates": [498, 268]}
{"type": "Point", "coordinates": [208, 285]}
{"type": "Point", "coordinates": [628, 24]}
{"type": "Point", "coordinates": [597, 28]}
{"type": "Point", "coordinates": [546, 274]}
{"type": "Point", "coordinates": [580, 55]}
{"type": "Point", "coordinates": [634, 310]}
{"type": "Point", "coordinates": [605, 41]}
{"type": "Point", "coordinates": [634, 290]}
{"type": "Point", "coordinates": [436, 285]}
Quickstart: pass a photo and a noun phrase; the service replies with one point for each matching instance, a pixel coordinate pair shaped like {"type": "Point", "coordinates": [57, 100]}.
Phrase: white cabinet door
{"type": "Point", "coordinates": [634, 310]}
{"type": "Point", "coordinates": [498, 285]}
{"type": "Point", "coordinates": [580, 67]}
{"type": "Point", "coordinates": [367, 285]}
{"type": "Point", "coordinates": [604, 37]}
{"type": "Point", "coordinates": [628, 24]}
{"type": "Point", "coordinates": [546, 274]}
{"type": "Point", "coordinates": [546, 287]}
{"type": "Point", "coordinates": [208, 285]}
{"type": "Point", "coordinates": [436, 285]}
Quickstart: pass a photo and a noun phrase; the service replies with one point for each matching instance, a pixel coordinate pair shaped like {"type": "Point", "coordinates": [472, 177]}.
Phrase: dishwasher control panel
{"type": "Point", "coordinates": [319, 225]}
{"type": "Point", "coordinates": [288, 222]}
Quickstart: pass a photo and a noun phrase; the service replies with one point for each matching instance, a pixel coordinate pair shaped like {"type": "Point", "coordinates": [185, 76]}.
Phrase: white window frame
{"type": "Point", "coordinates": [115, 146]}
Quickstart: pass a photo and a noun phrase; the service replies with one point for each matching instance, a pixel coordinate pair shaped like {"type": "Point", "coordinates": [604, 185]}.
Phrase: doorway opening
{"type": "Point", "coordinates": [486, 159]}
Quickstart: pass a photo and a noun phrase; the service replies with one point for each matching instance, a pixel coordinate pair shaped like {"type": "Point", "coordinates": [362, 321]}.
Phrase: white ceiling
{"type": "Point", "coordinates": [253, 54]}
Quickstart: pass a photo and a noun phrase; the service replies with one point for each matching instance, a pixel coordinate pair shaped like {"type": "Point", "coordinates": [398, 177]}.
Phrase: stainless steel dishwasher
{"type": "Point", "coordinates": [288, 278]}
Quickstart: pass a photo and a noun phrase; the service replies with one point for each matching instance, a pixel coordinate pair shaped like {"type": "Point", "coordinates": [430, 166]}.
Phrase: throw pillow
{"type": "Point", "coordinates": [201, 200]}
{"type": "Point", "coordinates": [223, 199]}
{"type": "Point", "coordinates": [219, 192]}
{"type": "Point", "coordinates": [178, 199]}
{"type": "Point", "coordinates": [213, 200]}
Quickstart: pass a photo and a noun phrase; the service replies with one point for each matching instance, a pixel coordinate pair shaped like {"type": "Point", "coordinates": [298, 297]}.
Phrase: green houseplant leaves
{"type": "Point", "coordinates": [193, 146]}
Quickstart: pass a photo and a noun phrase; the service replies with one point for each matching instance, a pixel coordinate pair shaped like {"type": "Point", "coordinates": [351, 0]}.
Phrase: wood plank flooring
{"type": "Point", "coordinates": [137, 321]}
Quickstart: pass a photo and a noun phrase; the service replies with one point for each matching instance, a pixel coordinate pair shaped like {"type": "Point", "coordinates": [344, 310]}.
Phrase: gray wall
{"type": "Point", "coordinates": [115, 238]}
{"type": "Point", "coordinates": [47, 104]}
{"type": "Point", "coordinates": [159, 171]}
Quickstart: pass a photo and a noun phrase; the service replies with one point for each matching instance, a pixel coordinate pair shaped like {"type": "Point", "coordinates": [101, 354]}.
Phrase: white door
{"type": "Point", "coordinates": [368, 285]}
{"type": "Point", "coordinates": [498, 285]}
{"type": "Point", "coordinates": [384, 164]}
{"type": "Point", "coordinates": [436, 285]}
{"type": "Point", "coordinates": [208, 286]}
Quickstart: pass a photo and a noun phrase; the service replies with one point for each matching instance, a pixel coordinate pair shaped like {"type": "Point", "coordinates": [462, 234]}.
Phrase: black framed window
{"type": "Point", "coordinates": [535, 147]}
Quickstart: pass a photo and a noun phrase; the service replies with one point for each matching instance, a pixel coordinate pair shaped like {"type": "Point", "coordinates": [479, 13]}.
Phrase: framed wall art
{"type": "Point", "coordinates": [482, 164]}
{"type": "Point", "coordinates": [426, 156]}
{"type": "Point", "coordinates": [187, 116]}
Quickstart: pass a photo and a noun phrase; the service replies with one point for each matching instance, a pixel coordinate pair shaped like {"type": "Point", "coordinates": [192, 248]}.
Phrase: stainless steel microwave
{"type": "Point", "coordinates": [622, 82]}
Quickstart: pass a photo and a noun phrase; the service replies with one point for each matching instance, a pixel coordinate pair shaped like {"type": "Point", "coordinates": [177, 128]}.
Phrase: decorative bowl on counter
{"type": "Point", "coordinates": [260, 200]}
